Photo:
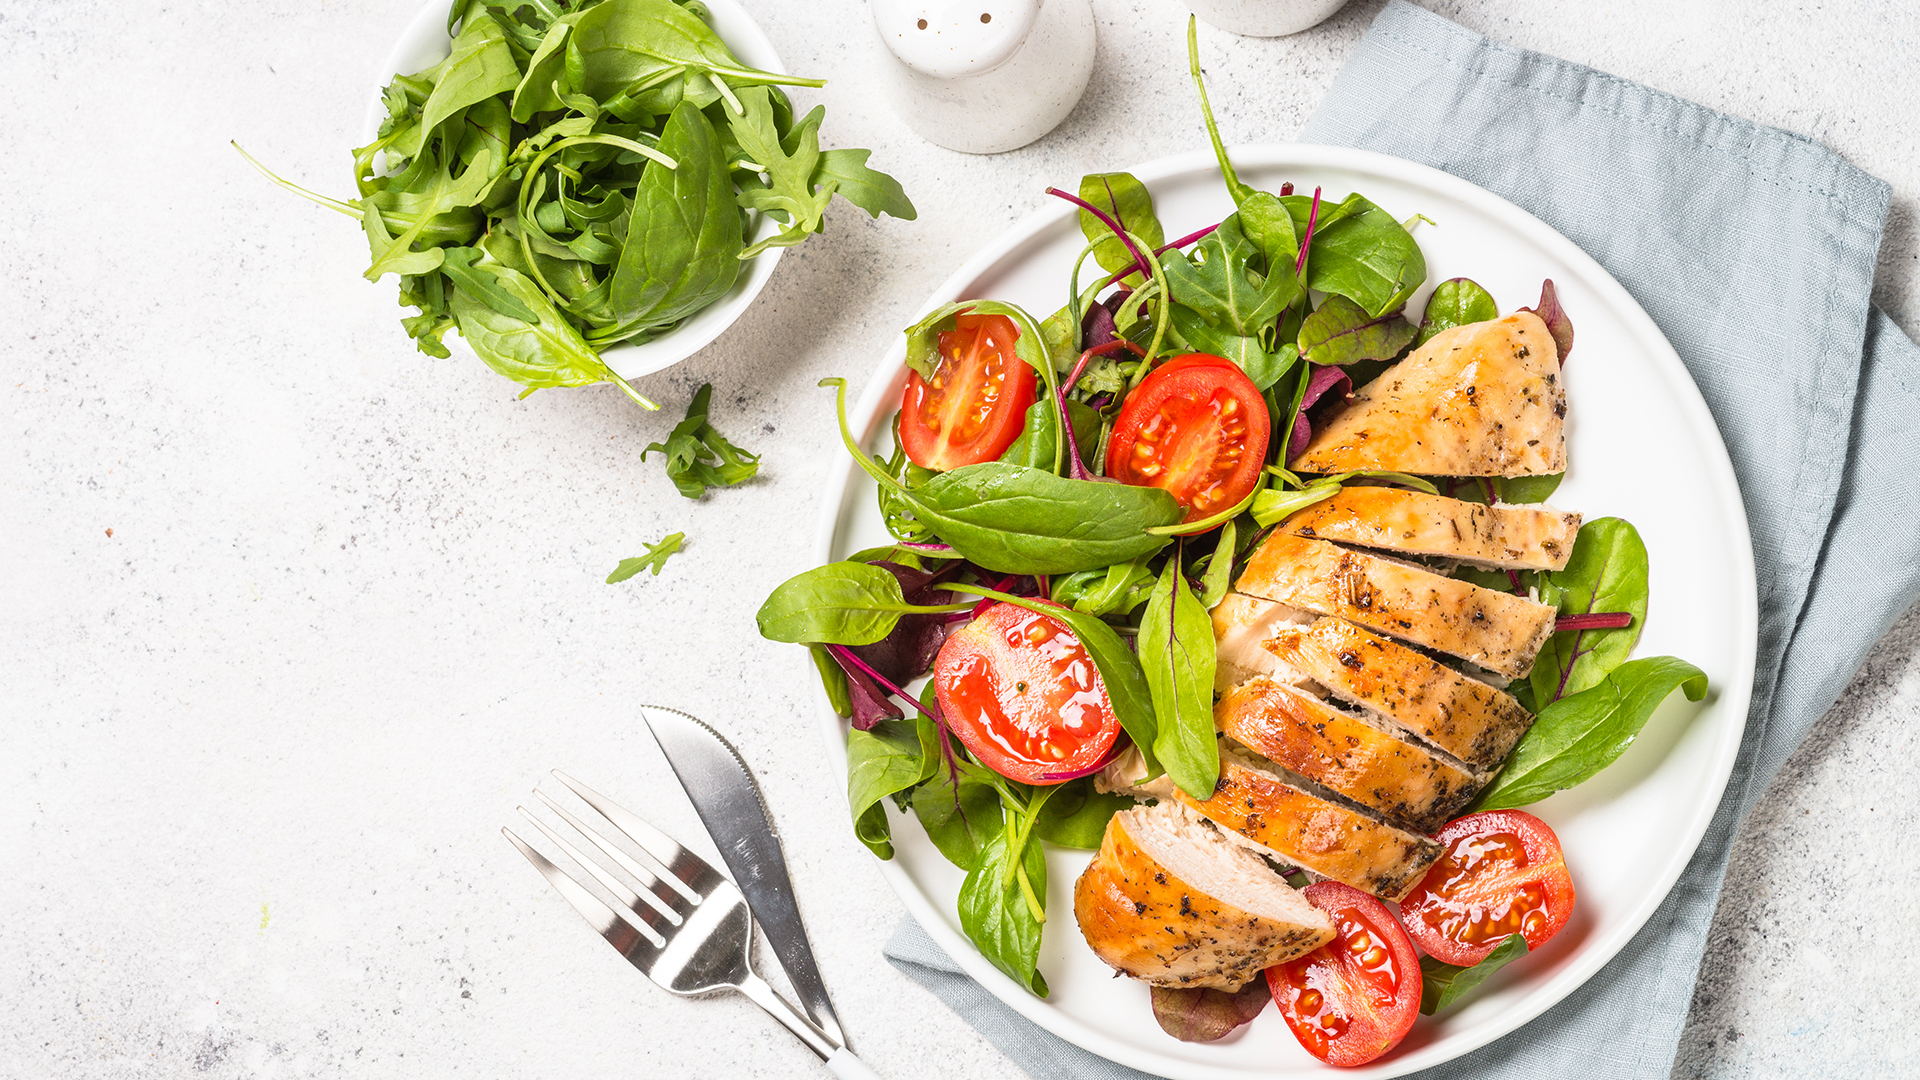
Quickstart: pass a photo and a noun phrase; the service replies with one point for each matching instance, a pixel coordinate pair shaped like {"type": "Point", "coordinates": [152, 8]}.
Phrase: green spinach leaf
{"type": "Point", "coordinates": [1076, 816]}
{"type": "Point", "coordinates": [1455, 302]}
{"type": "Point", "coordinates": [833, 681]}
{"type": "Point", "coordinates": [959, 819]}
{"type": "Point", "coordinates": [1606, 572]}
{"type": "Point", "coordinates": [1000, 908]}
{"type": "Point", "coordinates": [1441, 983]}
{"type": "Point", "coordinates": [1577, 736]}
{"type": "Point", "coordinates": [1176, 654]}
{"type": "Point", "coordinates": [887, 759]}
{"type": "Point", "coordinates": [1363, 253]}
{"type": "Point", "coordinates": [842, 603]}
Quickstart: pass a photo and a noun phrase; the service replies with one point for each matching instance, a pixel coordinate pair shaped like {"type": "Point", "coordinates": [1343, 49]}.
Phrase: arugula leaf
{"type": "Point", "coordinates": [1606, 572]}
{"type": "Point", "coordinates": [1176, 653]}
{"type": "Point", "coordinates": [886, 759]}
{"type": "Point", "coordinates": [789, 166]}
{"type": "Point", "coordinates": [1127, 201]}
{"type": "Point", "coordinates": [1455, 302]}
{"type": "Point", "coordinates": [996, 913]}
{"type": "Point", "coordinates": [1575, 737]}
{"type": "Point", "coordinates": [655, 559]}
{"type": "Point", "coordinates": [698, 456]}
{"type": "Point", "coordinates": [1441, 983]}
{"type": "Point", "coordinates": [1216, 281]}
{"type": "Point", "coordinates": [1340, 332]}
{"type": "Point", "coordinates": [480, 67]}
{"type": "Point", "coordinates": [870, 190]}
{"type": "Point", "coordinates": [842, 603]}
{"type": "Point", "coordinates": [546, 352]}
{"type": "Point", "coordinates": [457, 265]}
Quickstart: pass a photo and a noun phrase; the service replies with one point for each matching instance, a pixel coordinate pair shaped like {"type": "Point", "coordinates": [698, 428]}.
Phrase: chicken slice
{"type": "Point", "coordinates": [1478, 400]}
{"type": "Point", "coordinates": [1464, 717]}
{"type": "Point", "coordinates": [1240, 624]}
{"type": "Point", "coordinates": [1414, 522]}
{"type": "Point", "coordinates": [1276, 810]}
{"type": "Point", "coordinates": [1170, 900]}
{"type": "Point", "coordinates": [1496, 630]}
{"type": "Point", "coordinates": [1409, 786]}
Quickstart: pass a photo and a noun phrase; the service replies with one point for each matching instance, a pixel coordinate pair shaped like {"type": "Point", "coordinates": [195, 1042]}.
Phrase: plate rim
{"type": "Point", "coordinates": [749, 42]}
{"type": "Point", "coordinates": [1735, 698]}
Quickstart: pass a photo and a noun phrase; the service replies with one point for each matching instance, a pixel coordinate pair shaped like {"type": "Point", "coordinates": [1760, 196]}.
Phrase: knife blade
{"type": "Point", "coordinates": [728, 801]}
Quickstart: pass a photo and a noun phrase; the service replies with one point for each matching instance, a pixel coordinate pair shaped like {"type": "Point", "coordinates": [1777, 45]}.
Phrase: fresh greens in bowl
{"type": "Point", "coordinates": [575, 175]}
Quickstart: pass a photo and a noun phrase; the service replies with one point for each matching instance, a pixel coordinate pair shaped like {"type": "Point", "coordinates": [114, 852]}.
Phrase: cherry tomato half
{"type": "Point", "coordinates": [975, 404]}
{"type": "Point", "coordinates": [1022, 694]}
{"type": "Point", "coordinates": [1353, 999]}
{"type": "Point", "coordinates": [1501, 873]}
{"type": "Point", "coordinates": [1197, 427]}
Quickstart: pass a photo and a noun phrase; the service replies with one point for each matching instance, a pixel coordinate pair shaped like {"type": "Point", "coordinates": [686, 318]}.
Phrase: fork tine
{"type": "Point", "coordinates": [656, 909]}
{"type": "Point", "coordinates": [667, 901]}
{"type": "Point", "coordinates": [688, 872]}
{"type": "Point", "coordinates": [626, 938]}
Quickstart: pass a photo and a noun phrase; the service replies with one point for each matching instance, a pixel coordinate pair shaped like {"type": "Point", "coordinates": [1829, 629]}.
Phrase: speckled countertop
{"type": "Point", "coordinates": [292, 616]}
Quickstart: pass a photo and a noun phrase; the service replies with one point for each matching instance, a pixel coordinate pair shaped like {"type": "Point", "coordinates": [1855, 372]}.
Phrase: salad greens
{"type": "Point", "coordinates": [654, 560]}
{"type": "Point", "coordinates": [578, 173]}
{"type": "Point", "coordinates": [1308, 297]}
{"type": "Point", "coordinates": [699, 457]}
{"type": "Point", "coordinates": [1441, 983]}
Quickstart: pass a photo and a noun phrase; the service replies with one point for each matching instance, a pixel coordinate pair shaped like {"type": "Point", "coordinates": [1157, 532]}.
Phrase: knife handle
{"type": "Point", "coordinates": [847, 1067]}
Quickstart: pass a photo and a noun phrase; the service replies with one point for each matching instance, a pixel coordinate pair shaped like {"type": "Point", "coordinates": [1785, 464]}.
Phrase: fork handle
{"type": "Point", "coordinates": [761, 994]}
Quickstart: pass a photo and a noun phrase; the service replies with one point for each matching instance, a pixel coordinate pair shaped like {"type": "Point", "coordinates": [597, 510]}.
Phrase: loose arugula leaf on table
{"type": "Point", "coordinates": [1606, 572]}
{"type": "Point", "coordinates": [1442, 984]}
{"type": "Point", "coordinates": [1339, 332]}
{"type": "Point", "coordinates": [1176, 654]}
{"type": "Point", "coordinates": [698, 456]}
{"type": "Point", "coordinates": [1455, 302]}
{"type": "Point", "coordinates": [842, 603]}
{"type": "Point", "coordinates": [1577, 736]}
{"type": "Point", "coordinates": [654, 560]}
{"type": "Point", "coordinates": [1001, 907]}
{"type": "Point", "coordinates": [888, 758]}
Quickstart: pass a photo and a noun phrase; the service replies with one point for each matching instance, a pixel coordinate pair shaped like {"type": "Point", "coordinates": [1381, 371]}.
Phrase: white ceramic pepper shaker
{"type": "Point", "coordinates": [1264, 18]}
{"type": "Point", "coordinates": [983, 76]}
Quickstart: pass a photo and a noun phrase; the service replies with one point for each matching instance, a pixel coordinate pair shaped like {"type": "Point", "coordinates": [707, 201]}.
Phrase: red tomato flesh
{"type": "Point", "coordinates": [1354, 998]}
{"type": "Point", "coordinates": [1197, 427]}
{"type": "Point", "coordinates": [975, 404]}
{"type": "Point", "coordinates": [1501, 873]}
{"type": "Point", "coordinates": [1021, 693]}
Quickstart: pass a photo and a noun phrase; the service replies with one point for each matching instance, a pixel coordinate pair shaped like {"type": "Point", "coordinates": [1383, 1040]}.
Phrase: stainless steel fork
{"type": "Point", "coordinates": [687, 928]}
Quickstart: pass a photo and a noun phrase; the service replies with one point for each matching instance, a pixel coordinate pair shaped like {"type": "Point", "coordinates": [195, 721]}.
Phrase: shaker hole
{"type": "Point", "coordinates": [984, 17]}
{"type": "Point", "coordinates": [923, 24]}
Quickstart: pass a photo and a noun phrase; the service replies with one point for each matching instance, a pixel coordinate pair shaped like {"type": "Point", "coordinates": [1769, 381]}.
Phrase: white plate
{"type": "Point", "coordinates": [425, 43]}
{"type": "Point", "coordinates": [1642, 446]}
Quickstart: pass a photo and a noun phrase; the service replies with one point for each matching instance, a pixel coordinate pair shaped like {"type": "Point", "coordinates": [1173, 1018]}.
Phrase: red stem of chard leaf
{"type": "Point", "coordinates": [846, 656]}
{"type": "Point", "coordinates": [1313, 216]}
{"type": "Point", "coordinates": [1598, 620]}
{"type": "Point", "coordinates": [1139, 261]}
{"type": "Point", "coordinates": [1185, 240]}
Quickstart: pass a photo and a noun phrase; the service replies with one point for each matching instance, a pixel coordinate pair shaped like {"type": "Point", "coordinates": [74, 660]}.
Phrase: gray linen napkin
{"type": "Point", "coordinates": [1753, 249]}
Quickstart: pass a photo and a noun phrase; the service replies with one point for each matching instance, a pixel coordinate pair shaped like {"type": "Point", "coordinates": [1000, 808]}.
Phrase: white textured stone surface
{"type": "Point", "coordinates": [258, 742]}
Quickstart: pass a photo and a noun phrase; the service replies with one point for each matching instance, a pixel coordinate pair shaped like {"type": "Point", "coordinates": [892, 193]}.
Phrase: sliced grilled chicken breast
{"type": "Point", "coordinates": [1395, 519]}
{"type": "Point", "coordinates": [1275, 810]}
{"type": "Point", "coordinates": [1498, 631]}
{"type": "Point", "coordinates": [1170, 900]}
{"type": "Point", "coordinates": [1409, 786]}
{"type": "Point", "coordinates": [1462, 716]}
{"type": "Point", "coordinates": [1478, 400]}
{"type": "Point", "coordinates": [1240, 624]}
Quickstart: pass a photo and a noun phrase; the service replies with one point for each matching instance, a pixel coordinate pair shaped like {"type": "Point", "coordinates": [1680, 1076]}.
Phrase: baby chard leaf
{"type": "Point", "coordinates": [1176, 653]}
{"type": "Point", "coordinates": [1340, 332]}
{"type": "Point", "coordinates": [1577, 736]}
{"type": "Point", "coordinates": [1127, 201]}
{"type": "Point", "coordinates": [1441, 983]}
{"type": "Point", "coordinates": [698, 456]}
{"type": "Point", "coordinates": [1606, 572]}
{"type": "Point", "coordinates": [1455, 302]}
{"type": "Point", "coordinates": [654, 560]}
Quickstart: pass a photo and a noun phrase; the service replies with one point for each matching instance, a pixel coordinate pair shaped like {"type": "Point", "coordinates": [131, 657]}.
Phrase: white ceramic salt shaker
{"type": "Point", "coordinates": [1264, 18]}
{"type": "Point", "coordinates": [983, 76]}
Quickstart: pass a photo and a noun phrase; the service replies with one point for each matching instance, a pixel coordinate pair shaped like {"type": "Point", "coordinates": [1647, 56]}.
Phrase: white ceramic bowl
{"type": "Point", "coordinates": [425, 43]}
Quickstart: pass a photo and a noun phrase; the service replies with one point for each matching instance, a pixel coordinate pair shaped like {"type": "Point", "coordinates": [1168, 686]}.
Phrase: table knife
{"type": "Point", "coordinates": [728, 801]}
